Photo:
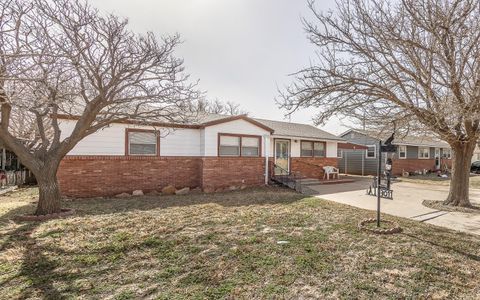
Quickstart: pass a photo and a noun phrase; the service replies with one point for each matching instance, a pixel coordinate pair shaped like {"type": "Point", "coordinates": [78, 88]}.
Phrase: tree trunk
{"type": "Point", "coordinates": [49, 191]}
{"type": "Point", "coordinates": [460, 183]}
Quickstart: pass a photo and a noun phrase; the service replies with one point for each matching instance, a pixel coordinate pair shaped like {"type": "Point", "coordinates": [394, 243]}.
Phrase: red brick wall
{"type": "Point", "coordinates": [311, 167]}
{"type": "Point", "coordinates": [411, 165]}
{"type": "Point", "coordinates": [88, 176]}
{"type": "Point", "coordinates": [220, 172]}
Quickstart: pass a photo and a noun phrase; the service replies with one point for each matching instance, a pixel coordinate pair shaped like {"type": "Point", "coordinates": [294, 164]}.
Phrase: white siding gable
{"type": "Point", "coordinates": [236, 127]}
{"type": "Point", "coordinates": [111, 140]}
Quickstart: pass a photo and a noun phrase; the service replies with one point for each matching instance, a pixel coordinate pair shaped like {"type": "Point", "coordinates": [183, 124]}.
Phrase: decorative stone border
{"type": "Point", "coordinates": [65, 212]}
{"type": "Point", "coordinates": [394, 229]}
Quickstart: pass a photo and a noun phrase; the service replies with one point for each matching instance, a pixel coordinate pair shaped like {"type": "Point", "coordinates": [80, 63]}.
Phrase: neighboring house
{"type": "Point", "coordinates": [217, 151]}
{"type": "Point", "coordinates": [476, 154]}
{"type": "Point", "coordinates": [413, 154]}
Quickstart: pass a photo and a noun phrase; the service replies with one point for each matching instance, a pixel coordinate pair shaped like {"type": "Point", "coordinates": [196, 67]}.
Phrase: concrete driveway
{"type": "Point", "coordinates": [407, 202]}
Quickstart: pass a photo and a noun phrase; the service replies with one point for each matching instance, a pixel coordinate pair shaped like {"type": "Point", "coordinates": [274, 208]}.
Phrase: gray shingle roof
{"type": "Point", "coordinates": [281, 128]}
{"type": "Point", "coordinates": [298, 130]}
{"type": "Point", "coordinates": [406, 140]}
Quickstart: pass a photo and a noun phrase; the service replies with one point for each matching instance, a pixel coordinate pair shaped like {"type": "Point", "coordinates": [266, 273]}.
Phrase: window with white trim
{"type": "Point", "coordinates": [402, 152]}
{"type": "Point", "coordinates": [371, 152]}
{"type": "Point", "coordinates": [142, 143]}
{"type": "Point", "coordinates": [339, 153]}
{"type": "Point", "coordinates": [447, 153]}
{"type": "Point", "coordinates": [424, 152]}
{"type": "Point", "coordinates": [229, 145]}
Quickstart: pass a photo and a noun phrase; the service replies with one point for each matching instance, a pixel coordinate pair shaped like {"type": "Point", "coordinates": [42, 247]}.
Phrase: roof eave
{"type": "Point", "coordinates": [234, 118]}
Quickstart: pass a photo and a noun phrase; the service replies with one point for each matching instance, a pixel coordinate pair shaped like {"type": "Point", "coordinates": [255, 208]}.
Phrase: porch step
{"type": "Point", "coordinates": [313, 181]}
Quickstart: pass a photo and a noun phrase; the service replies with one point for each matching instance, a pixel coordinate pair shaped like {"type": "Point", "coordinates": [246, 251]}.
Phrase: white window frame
{"type": "Point", "coordinates": [449, 153]}
{"type": "Point", "coordinates": [400, 151]}
{"type": "Point", "coordinates": [341, 153]}
{"type": "Point", "coordinates": [374, 152]}
{"type": "Point", "coordinates": [419, 151]}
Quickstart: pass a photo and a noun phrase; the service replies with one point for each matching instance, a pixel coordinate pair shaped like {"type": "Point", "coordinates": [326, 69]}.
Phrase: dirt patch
{"type": "Point", "coordinates": [440, 206]}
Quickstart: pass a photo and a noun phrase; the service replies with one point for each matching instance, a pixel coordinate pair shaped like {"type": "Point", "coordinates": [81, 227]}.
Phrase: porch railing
{"type": "Point", "coordinates": [285, 177]}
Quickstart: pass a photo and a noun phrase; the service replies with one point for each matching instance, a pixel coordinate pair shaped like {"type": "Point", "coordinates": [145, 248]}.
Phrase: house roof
{"type": "Point", "coordinates": [410, 140]}
{"type": "Point", "coordinates": [298, 130]}
{"type": "Point", "coordinates": [214, 120]}
{"type": "Point", "coordinates": [277, 128]}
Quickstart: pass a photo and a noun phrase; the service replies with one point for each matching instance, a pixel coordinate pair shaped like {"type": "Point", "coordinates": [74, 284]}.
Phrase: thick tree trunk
{"type": "Point", "coordinates": [459, 185]}
{"type": "Point", "coordinates": [49, 191]}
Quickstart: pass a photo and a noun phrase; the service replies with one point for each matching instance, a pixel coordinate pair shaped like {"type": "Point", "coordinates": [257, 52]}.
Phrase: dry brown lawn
{"type": "Point", "coordinates": [433, 179]}
{"type": "Point", "coordinates": [225, 246]}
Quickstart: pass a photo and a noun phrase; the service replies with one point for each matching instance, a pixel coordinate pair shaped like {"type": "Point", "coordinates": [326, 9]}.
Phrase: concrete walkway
{"type": "Point", "coordinates": [407, 202]}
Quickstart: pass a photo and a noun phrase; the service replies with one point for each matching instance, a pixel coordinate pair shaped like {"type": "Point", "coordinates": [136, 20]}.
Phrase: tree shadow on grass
{"type": "Point", "coordinates": [255, 196]}
{"type": "Point", "coordinates": [437, 239]}
{"type": "Point", "coordinates": [35, 266]}
{"type": "Point", "coordinates": [39, 266]}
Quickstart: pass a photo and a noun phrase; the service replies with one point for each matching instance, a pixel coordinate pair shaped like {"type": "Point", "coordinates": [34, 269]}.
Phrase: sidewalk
{"type": "Point", "coordinates": [407, 203]}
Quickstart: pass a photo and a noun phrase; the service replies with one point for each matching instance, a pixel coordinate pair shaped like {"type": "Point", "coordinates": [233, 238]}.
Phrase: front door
{"type": "Point", "coordinates": [282, 157]}
{"type": "Point", "coordinates": [437, 159]}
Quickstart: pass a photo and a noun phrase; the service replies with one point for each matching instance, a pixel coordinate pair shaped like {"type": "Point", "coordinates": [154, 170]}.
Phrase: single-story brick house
{"type": "Point", "coordinates": [413, 154]}
{"type": "Point", "coordinates": [217, 151]}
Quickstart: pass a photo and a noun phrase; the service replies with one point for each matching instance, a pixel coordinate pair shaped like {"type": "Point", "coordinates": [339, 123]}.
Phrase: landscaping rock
{"type": "Point", "coordinates": [243, 186]}
{"type": "Point", "coordinates": [137, 193]}
{"type": "Point", "coordinates": [169, 190]}
{"type": "Point", "coordinates": [123, 195]}
{"type": "Point", "coordinates": [183, 191]}
{"type": "Point", "coordinates": [233, 188]}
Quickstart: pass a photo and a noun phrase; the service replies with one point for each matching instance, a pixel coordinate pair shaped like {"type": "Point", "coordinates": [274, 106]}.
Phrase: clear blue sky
{"type": "Point", "coordinates": [239, 49]}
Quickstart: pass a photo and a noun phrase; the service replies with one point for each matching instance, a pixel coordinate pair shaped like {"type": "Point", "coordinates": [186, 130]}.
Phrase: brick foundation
{"type": "Point", "coordinates": [311, 167]}
{"type": "Point", "coordinates": [220, 172]}
{"type": "Point", "coordinates": [91, 176]}
{"type": "Point", "coordinates": [412, 165]}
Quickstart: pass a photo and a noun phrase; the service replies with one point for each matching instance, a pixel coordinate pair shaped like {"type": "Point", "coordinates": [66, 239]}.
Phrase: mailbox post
{"type": "Point", "coordinates": [379, 180]}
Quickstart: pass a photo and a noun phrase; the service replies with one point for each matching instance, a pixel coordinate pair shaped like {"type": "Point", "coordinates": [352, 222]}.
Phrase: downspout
{"type": "Point", "coordinates": [346, 162]}
{"type": "Point", "coordinates": [363, 163]}
{"type": "Point", "coordinates": [266, 152]}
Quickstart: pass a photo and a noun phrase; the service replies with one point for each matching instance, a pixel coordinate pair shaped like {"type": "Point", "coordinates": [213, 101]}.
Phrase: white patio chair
{"type": "Point", "coordinates": [330, 170]}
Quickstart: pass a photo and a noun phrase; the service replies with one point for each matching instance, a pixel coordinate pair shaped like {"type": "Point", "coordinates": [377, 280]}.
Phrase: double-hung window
{"type": "Point", "coordinates": [402, 152]}
{"type": "Point", "coordinates": [229, 145]}
{"type": "Point", "coordinates": [142, 142]}
{"type": "Point", "coordinates": [250, 146]}
{"type": "Point", "coordinates": [339, 153]}
{"type": "Point", "coordinates": [447, 153]}
{"type": "Point", "coordinates": [371, 151]}
{"type": "Point", "coordinates": [312, 149]}
{"type": "Point", "coordinates": [424, 152]}
{"type": "Point", "coordinates": [238, 145]}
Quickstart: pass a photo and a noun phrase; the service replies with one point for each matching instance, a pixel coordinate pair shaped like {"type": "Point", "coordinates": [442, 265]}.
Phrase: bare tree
{"type": "Point", "coordinates": [63, 57]}
{"type": "Point", "coordinates": [218, 107]}
{"type": "Point", "coordinates": [412, 62]}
